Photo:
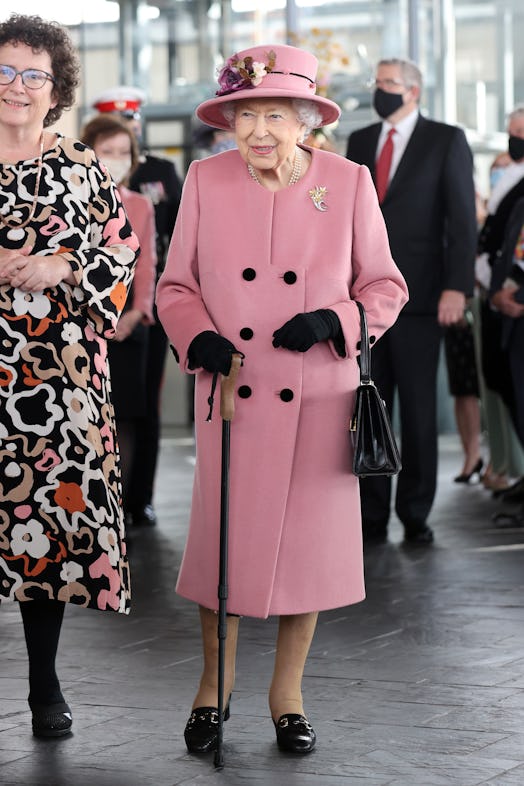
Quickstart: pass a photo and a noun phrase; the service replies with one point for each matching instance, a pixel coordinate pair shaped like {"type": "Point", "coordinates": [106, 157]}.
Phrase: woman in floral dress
{"type": "Point", "coordinates": [67, 254]}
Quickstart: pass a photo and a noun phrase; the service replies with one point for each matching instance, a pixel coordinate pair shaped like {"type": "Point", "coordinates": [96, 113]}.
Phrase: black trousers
{"type": "Point", "coordinates": [406, 360]}
{"type": "Point", "coordinates": [147, 433]}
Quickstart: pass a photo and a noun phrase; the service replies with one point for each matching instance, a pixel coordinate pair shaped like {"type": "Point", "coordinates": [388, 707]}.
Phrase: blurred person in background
{"type": "Point", "coordinates": [498, 396]}
{"type": "Point", "coordinates": [115, 147]}
{"type": "Point", "coordinates": [156, 178]}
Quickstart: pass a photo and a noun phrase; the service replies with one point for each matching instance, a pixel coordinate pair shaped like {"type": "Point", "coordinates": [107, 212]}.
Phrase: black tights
{"type": "Point", "coordinates": [42, 623]}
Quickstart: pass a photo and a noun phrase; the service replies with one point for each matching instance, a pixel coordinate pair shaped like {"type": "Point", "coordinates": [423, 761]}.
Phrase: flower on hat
{"type": "Point", "coordinates": [239, 74]}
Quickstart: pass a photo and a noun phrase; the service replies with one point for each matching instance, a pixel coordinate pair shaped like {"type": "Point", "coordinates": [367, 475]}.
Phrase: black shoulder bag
{"type": "Point", "coordinates": [375, 451]}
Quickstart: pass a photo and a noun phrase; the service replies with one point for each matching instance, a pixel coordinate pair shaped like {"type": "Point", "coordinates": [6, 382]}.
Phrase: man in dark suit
{"type": "Point", "coordinates": [428, 201]}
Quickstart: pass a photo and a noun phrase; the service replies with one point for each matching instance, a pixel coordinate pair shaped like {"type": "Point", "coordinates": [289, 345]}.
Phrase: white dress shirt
{"type": "Point", "coordinates": [403, 129]}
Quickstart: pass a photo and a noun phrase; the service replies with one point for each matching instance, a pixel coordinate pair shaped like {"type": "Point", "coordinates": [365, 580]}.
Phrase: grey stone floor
{"type": "Point", "coordinates": [420, 685]}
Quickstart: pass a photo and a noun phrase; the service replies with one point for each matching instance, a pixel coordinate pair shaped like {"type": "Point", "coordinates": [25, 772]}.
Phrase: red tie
{"type": "Point", "coordinates": [383, 166]}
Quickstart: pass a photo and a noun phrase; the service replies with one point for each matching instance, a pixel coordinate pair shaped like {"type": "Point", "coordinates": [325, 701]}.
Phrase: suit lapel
{"type": "Point", "coordinates": [370, 151]}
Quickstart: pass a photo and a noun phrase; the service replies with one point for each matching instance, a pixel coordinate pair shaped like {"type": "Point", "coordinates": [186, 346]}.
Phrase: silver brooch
{"type": "Point", "coordinates": [318, 194]}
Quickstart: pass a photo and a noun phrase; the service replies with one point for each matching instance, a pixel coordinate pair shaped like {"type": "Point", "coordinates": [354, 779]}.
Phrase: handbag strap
{"type": "Point", "coordinates": [365, 352]}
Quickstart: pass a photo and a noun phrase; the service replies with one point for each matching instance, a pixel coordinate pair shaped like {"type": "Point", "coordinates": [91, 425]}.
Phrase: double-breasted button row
{"type": "Point", "coordinates": [246, 333]}
{"type": "Point", "coordinates": [244, 391]}
{"type": "Point", "coordinates": [249, 274]}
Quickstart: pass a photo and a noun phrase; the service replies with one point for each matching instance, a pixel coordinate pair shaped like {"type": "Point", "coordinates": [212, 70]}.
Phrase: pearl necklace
{"type": "Point", "coordinates": [295, 172]}
{"type": "Point", "coordinates": [17, 225]}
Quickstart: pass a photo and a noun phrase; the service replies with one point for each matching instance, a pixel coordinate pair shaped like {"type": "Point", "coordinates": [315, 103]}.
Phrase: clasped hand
{"type": "Point", "coordinates": [505, 302]}
{"type": "Point", "coordinates": [451, 307]}
{"type": "Point", "coordinates": [127, 323]}
{"type": "Point", "coordinates": [30, 272]}
{"type": "Point", "coordinates": [303, 330]}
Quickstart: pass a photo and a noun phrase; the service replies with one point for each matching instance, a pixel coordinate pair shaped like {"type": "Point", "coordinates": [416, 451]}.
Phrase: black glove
{"type": "Point", "coordinates": [210, 351]}
{"type": "Point", "coordinates": [304, 330]}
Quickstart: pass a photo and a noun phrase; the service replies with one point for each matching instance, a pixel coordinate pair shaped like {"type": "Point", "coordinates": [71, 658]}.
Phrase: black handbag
{"type": "Point", "coordinates": [375, 451]}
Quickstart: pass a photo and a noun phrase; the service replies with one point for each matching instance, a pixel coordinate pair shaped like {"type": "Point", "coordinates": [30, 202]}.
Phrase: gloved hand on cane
{"type": "Point", "coordinates": [212, 352]}
{"type": "Point", "coordinates": [304, 330]}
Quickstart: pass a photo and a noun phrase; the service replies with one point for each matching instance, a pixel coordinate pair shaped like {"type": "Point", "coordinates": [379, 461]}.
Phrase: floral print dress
{"type": "Point", "coordinates": [61, 523]}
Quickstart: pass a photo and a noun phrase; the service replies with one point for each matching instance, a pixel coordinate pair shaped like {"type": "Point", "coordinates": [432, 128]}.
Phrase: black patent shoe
{"type": "Point", "coordinates": [295, 733]}
{"type": "Point", "coordinates": [51, 720]}
{"type": "Point", "coordinates": [201, 732]}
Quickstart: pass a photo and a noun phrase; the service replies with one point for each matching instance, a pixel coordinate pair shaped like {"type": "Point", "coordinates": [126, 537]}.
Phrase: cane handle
{"type": "Point", "coordinates": [227, 388]}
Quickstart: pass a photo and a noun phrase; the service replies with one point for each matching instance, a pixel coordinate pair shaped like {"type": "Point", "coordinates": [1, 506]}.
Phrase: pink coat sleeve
{"type": "Point", "coordinates": [178, 288]}
{"type": "Point", "coordinates": [141, 216]}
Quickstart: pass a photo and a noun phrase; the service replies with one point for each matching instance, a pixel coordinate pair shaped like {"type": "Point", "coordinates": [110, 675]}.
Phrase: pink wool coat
{"type": "Point", "coordinates": [243, 260]}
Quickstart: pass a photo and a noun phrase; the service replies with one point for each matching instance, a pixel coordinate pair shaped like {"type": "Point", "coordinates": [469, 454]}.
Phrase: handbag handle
{"type": "Point", "coordinates": [365, 352]}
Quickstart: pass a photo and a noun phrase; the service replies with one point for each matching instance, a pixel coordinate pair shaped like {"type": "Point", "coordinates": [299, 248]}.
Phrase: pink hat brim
{"type": "Point", "coordinates": [210, 111]}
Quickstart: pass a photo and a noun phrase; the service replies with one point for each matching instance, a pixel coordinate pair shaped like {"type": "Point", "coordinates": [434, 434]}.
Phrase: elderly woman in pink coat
{"type": "Point", "coordinates": [273, 243]}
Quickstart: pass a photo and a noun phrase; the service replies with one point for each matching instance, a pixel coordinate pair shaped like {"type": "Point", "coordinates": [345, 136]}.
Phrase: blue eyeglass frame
{"type": "Point", "coordinates": [25, 71]}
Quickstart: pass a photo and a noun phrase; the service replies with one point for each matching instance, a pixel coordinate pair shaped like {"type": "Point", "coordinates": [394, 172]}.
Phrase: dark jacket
{"type": "Point", "coordinates": [503, 264]}
{"type": "Point", "coordinates": [493, 233]}
{"type": "Point", "coordinates": [157, 178]}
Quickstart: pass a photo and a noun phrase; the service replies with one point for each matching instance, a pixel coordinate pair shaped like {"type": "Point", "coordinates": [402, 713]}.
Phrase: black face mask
{"type": "Point", "coordinates": [385, 104]}
{"type": "Point", "coordinates": [516, 148]}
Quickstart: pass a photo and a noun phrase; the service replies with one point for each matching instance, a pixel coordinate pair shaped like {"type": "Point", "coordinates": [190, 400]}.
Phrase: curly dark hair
{"type": "Point", "coordinates": [54, 39]}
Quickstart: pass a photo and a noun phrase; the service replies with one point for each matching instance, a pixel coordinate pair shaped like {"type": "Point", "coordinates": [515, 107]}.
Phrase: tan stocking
{"type": "Point", "coordinates": [295, 634]}
{"type": "Point", "coordinates": [207, 695]}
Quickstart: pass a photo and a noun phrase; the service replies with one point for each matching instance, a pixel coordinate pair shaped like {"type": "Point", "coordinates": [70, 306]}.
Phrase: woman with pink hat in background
{"type": "Point", "coordinates": [273, 243]}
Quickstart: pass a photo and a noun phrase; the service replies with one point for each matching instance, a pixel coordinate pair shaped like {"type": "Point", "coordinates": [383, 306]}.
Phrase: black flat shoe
{"type": "Point", "coordinates": [421, 535]}
{"type": "Point", "coordinates": [295, 734]}
{"type": "Point", "coordinates": [51, 720]}
{"type": "Point", "coordinates": [201, 732]}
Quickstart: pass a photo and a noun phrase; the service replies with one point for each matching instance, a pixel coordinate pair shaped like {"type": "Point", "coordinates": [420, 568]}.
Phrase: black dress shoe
{"type": "Point", "coordinates": [295, 734]}
{"type": "Point", "coordinates": [51, 720]}
{"type": "Point", "coordinates": [419, 534]}
{"type": "Point", "coordinates": [514, 494]}
{"type": "Point", "coordinates": [145, 517]}
{"type": "Point", "coordinates": [201, 732]}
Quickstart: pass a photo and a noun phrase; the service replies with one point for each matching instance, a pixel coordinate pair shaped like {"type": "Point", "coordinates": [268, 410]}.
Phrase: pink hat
{"type": "Point", "coordinates": [267, 72]}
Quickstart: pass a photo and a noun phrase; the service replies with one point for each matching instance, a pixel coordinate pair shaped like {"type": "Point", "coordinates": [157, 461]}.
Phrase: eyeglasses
{"type": "Point", "coordinates": [31, 77]}
{"type": "Point", "coordinates": [388, 84]}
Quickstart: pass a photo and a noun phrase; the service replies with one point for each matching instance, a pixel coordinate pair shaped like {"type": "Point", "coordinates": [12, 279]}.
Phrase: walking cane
{"type": "Point", "coordinates": [227, 411]}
